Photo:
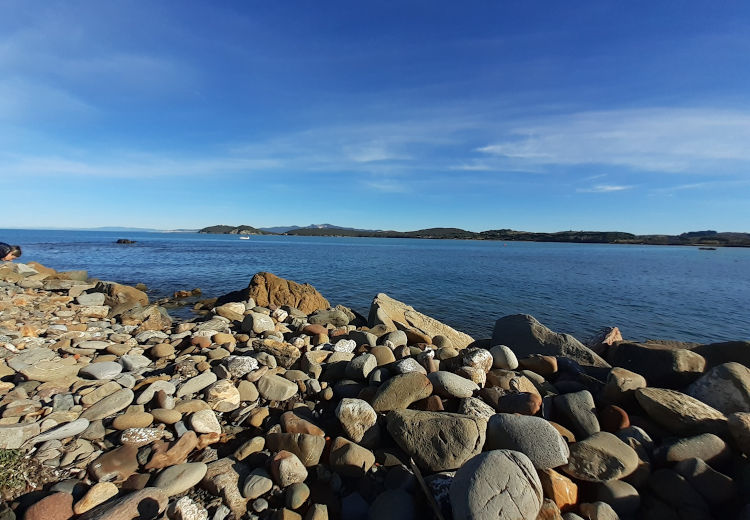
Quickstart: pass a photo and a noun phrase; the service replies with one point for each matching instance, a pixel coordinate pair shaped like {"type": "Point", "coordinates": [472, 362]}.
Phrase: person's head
{"type": "Point", "coordinates": [15, 252]}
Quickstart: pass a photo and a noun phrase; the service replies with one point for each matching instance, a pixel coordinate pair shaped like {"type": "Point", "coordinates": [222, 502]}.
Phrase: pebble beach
{"type": "Point", "coordinates": [272, 404]}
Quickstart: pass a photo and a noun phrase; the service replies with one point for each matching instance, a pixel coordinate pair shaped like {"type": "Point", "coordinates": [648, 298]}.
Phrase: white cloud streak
{"type": "Point", "coordinates": [127, 166]}
{"type": "Point", "coordinates": [700, 140]}
{"type": "Point", "coordinates": [604, 188]}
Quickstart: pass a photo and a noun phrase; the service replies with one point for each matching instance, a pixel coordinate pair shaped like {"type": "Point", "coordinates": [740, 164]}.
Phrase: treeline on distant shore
{"type": "Point", "coordinates": [694, 238]}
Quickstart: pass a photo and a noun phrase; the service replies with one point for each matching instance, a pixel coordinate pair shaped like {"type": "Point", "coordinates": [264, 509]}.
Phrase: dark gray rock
{"type": "Point", "coordinates": [533, 436]}
{"type": "Point", "coordinates": [526, 336]}
{"type": "Point", "coordinates": [675, 490]}
{"type": "Point", "coordinates": [623, 497]}
{"type": "Point", "coordinates": [393, 504]}
{"type": "Point", "coordinates": [363, 338]}
{"type": "Point", "coordinates": [578, 412]}
{"type": "Point", "coordinates": [706, 446]}
{"type": "Point", "coordinates": [714, 486]}
{"type": "Point", "coordinates": [601, 457]}
{"type": "Point", "coordinates": [730, 351]}
{"type": "Point", "coordinates": [660, 365]}
{"type": "Point", "coordinates": [438, 441]}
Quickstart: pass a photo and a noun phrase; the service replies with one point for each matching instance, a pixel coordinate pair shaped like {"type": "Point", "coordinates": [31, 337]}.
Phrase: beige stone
{"type": "Point", "coordinates": [392, 313]}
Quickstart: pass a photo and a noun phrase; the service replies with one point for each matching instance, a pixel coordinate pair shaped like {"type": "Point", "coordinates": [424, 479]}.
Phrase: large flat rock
{"type": "Point", "coordinates": [526, 336]}
{"type": "Point", "coordinates": [398, 315]}
{"type": "Point", "coordinates": [679, 413]}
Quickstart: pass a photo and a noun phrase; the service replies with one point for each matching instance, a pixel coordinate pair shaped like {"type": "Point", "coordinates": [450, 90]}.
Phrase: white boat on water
{"type": "Point", "coordinates": [244, 238]}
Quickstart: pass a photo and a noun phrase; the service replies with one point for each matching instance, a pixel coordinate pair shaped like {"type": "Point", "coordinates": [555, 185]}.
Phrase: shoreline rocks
{"type": "Point", "coordinates": [276, 405]}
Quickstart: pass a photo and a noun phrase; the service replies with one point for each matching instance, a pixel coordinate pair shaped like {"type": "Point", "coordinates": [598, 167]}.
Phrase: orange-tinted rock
{"type": "Point", "coordinates": [164, 455]}
{"type": "Point", "coordinates": [414, 336]}
{"type": "Point", "coordinates": [524, 403]}
{"type": "Point", "coordinates": [314, 330]}
{"type": "Point", "coordinates": [383, 354]}
{"type": "Point", "coordinates": [292, 423]}
{"type": "Point", "coordinates": [433, 404]}
{"type": "Point", "coordinates": [207, 439]}
{"type": "Point", "coordinates": [268, 289]}
{"type": "Point", "coordinates": [115, 465]}
{"type": "Point", "coordinates": [559, 488]}
{"type": "Point", "coordinates": [604, 339]}
{"type": "Point", "coordinates": [542, 365]}
{"type": "Point", "coordinates": [613, 418]}
{"type": "Point", "coordinates": [58, 506]}
{"type": "Point", "coordinates": [562, 430]}
{"type": "Point", "coordinates": [201, 341]}
{"type": "Point", "coordinates": [27, 331]}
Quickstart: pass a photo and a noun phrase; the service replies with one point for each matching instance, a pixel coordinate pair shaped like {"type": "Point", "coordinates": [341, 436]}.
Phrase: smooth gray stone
{"type": "Point", "coordinates": [109, 405]}
{"type": "Point", "coordinates": [63, 431]}
{"type": "Point", "coordinates": [104, 370]}
{"type": "Point", "coordinates": [86, 299]}
{"type": "Point", "coordinates": [533, 436]}
{"type": "Point", "coordinates": [577, 411]}
{"type": "Point", "coordinates": [448, 384]}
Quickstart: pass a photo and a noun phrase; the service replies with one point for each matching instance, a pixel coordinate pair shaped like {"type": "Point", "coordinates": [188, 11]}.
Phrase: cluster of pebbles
{"type": "Point", "coordinates": [275, 405]}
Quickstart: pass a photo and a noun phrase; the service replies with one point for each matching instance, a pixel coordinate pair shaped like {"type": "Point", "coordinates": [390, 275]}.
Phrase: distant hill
{"type": "Point", "coordinates": [691, 238]}
{"type": "Point", "coordinates": [287, 229]}
{"type": "Point", "coordinates": [279, 229]}
{"type": "Point", "coordinates": [233, 230]}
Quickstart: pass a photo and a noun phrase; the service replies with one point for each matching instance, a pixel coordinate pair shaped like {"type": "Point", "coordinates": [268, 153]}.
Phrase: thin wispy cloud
{"type": "Point", "coordinates": [127, 167]}
{"type": "Point", "coordinates": [386, 186]}
{"type": "Point", "coordinates": [23, 101]}
{"type": "Point", "coordinates": [673, 140]}
{"type": "Point", "coordinates": [604, 188]}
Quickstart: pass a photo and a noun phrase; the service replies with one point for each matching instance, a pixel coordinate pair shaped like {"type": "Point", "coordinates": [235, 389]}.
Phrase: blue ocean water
{"type": "Point", "coordinates": [664, 292]}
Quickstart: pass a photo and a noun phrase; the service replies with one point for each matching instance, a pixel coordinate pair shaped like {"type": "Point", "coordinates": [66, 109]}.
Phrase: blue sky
{"type": "Point", "coordinates": [538, 116]}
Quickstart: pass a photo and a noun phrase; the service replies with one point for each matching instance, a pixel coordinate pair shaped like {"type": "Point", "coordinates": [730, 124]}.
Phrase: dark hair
{"type": "Point", "coordinates": [15, 251]}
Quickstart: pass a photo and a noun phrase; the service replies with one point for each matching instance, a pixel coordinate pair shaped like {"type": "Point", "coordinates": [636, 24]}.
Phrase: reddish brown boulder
{"type": "Point", "coordinates": [58, 506]}
{"type": "Point", "coordinates": [115, 465]}
{"type": "Point", "coordinates": [269, 290]}
{"type": "Point", "coordinates": [613, 418]}
{"type": "Point", "coordinates": [165, 456]}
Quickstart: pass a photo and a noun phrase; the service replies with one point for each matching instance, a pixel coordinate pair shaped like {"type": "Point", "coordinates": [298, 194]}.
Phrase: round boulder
{"type": "Point", "coordinates": [725, 387]}
{"type": "Point", "coordinates": [533, 436]}
{"type": "Point", "coordinates": [601, 457]}
{"type": "Point", "coordinates": [499, 484]}
{"type": "Point", "coordinates": [448, 384]}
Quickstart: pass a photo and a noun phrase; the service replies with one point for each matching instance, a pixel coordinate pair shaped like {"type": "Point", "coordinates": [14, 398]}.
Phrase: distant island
{"type": "Point", "coordinates": [234, 230]}
{"type": "Point", "coordinates": [692, 238]}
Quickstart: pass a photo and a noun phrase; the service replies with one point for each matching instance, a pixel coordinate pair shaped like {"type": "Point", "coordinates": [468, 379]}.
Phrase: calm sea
{"type": "Point", "coordinates": [648, 291]}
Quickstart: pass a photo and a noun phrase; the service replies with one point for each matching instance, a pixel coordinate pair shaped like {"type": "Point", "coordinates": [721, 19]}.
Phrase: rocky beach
{"type": "Point", "coordinates": [271, 403]}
